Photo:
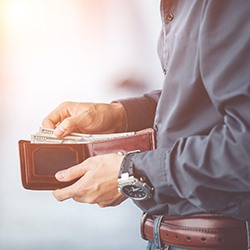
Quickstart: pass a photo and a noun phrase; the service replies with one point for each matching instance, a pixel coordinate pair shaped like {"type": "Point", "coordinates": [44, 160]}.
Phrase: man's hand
{"type": "Point", "coordinates": [89, 118]}
{"type": "Point", "coordinates": [98, 181]}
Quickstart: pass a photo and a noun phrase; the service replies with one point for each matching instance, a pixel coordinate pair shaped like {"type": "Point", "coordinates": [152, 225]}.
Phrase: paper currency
{"type": "Point", "coordinates": [46, 135]}
{"type": "Point", "coordinates": [50, 138]}
{"type": "Point", "coordinates": [50, 131]}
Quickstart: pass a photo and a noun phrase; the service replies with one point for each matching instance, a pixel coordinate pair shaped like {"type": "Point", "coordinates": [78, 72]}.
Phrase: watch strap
{"type": "Point", "coordinates": [127, 165]}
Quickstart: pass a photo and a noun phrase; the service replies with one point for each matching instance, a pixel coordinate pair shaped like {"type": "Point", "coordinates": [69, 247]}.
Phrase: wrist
{"type": "Point", "coordinates": [130, 185]}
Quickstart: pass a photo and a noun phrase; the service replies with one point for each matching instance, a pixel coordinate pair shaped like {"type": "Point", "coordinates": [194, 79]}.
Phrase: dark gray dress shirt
{"type": "Point", "coordinates": [202, 114]}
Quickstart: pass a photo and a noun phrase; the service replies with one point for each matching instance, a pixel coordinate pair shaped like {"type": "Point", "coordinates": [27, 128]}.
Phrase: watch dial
{"type": "Point", "coordinates": [134, 191]}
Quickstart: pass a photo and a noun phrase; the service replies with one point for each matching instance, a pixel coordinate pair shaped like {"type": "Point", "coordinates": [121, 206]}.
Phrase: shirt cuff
{"type": "Point", "coordinates": [140, 113]}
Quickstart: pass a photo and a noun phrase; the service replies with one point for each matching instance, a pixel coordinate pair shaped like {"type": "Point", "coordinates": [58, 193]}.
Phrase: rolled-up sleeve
{"type": "Point", "coordinates": [140, 111]}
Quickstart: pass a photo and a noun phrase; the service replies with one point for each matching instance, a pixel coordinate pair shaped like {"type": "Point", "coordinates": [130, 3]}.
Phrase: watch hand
{"type": "Point", "coordinates": [134, 189]}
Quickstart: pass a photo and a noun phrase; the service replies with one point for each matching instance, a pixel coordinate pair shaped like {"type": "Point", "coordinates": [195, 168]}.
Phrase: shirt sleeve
{"type": "Point", "coordinates": [140, 111]}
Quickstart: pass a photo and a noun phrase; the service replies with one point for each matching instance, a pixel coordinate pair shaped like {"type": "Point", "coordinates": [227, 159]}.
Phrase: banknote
{"type": "Point", "coordinates": [46, 135]}
{"type": "Point", "coordinates": [43, 130]}
{"type": "Point", "coordinates": [49, 138]}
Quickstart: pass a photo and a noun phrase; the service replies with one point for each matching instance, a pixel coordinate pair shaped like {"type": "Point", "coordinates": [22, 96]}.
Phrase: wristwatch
{"type": "Point", "coordinates": [130, 186]}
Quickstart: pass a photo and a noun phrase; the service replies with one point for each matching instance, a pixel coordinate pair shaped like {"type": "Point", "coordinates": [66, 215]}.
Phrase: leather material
{"type": "Point", "coordinates": [198, 232]}
{"type": "Point", "coordinates": [40, 162]}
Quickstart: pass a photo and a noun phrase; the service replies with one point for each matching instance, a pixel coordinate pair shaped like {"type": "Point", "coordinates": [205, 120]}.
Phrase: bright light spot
{"type": "Point", "coordinates": [16, 11]}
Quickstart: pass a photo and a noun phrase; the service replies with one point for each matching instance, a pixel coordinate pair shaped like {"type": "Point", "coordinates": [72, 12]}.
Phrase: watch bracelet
{"type": "Point", "coordinates": [126, 165]}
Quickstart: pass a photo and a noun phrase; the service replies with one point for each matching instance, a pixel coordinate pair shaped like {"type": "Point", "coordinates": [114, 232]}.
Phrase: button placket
{"type": "Point", "coordinates": [168, 16]}
{"type": "Point", "coordinates": [167, 9]}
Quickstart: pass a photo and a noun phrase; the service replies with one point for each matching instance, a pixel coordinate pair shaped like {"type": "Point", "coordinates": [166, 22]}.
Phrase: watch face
{"type": "Point", "coordinates": [135, 192]}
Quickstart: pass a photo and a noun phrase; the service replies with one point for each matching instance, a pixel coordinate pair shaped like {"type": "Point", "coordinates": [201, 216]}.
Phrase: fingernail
{"type": "Point", "coordinates": [60, 175]}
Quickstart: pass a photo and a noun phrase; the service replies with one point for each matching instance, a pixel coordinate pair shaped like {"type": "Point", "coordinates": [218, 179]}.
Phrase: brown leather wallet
{"type": "Point", "coordinates": [40, 162]}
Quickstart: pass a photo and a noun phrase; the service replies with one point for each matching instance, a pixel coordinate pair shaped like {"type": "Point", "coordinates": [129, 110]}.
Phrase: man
{"type": "Point", "coordinates": [202, 122]}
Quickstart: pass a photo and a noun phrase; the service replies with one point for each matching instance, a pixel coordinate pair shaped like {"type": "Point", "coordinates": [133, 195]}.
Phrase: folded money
{"type": "Point", "coordinates": [46, 135]}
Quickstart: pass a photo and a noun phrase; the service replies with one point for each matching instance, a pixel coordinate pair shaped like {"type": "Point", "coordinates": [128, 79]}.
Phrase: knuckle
{"type": "Point", "coordinates": [101, 205]}
{"type": "Point", "coordinates": [77, 192]}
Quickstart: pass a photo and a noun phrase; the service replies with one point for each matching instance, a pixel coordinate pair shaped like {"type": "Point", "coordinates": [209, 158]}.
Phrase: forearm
{"type": "Point", "coordinates": [202, 173]}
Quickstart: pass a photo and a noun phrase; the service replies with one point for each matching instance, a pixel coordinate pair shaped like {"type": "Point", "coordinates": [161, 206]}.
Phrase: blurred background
{"type": "Point", "coordinates": [68, 50]}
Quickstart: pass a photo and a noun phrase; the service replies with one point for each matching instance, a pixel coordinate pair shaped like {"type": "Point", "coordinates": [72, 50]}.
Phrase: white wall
{"type": "Point", "coordinates": [57, 50]}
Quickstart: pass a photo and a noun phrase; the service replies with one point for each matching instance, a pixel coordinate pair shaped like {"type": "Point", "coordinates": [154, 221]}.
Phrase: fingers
{"type": "Point", "coordinates": [66, 118]}
{"type": "Point", "coordinates": [90, 118]}
{"type": "Point", "coordinates": [76, 191]}
{"type": "Point", "coordinates": [64, 194]}
{"type": "Point", "coordinates": [66, 127]}
{"type": "Point", "coordinates": [48, 123]}
{"type": "Point", "coordinates": [57, 115]}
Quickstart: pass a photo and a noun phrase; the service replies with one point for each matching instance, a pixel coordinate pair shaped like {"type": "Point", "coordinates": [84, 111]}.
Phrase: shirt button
{"type": "Point", "coordinates": [170, 17]}
{"type": "Point", "coordinates": [156, 127]}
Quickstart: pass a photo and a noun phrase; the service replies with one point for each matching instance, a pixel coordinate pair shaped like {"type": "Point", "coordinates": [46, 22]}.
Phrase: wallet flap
{"type": "Point", "coordinates": [40, 162]}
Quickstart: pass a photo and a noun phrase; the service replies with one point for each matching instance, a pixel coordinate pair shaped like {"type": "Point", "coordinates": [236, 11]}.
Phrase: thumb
{"type": "Point", "coordinates": [67, 126]}
{"type": "Point", "coordinates": [71, 173]}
